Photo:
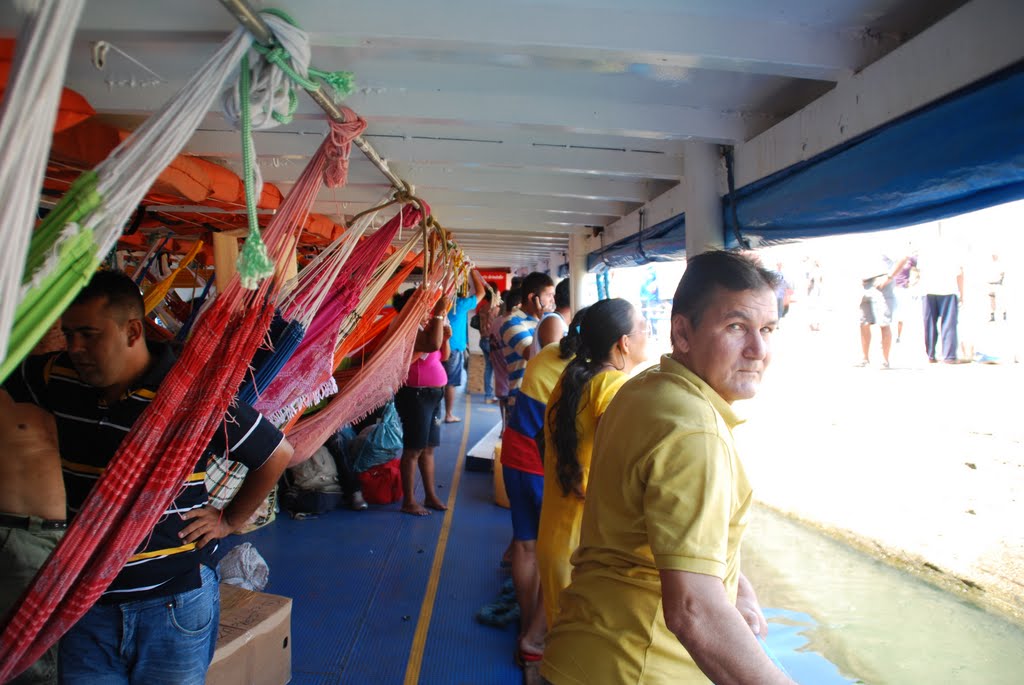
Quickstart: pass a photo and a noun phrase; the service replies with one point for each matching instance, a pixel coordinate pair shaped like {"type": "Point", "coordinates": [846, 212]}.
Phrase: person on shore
{"type": "Point", "coordinates": [522, 469]}
{"type": "Point", "coordinates": [32, 510]}
{"type": "Point", "coordinates": [458, 343]}
{"type": "Point", "coordinates": [418, 403]}
{"type": "Point", "coordinates": [612, 341]}
{"type": "Point", "coordinates": [877, 305]}
{"type": "Point", "coordinates": [168, 590]}
{"type": "Point", "coordinates": [942, 285]}
{"type": "Point", "coordinates": [657, 595]}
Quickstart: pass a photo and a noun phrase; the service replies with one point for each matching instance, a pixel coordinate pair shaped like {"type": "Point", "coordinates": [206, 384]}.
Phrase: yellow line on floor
{"type": "Point", "coordinates": [419, 640]}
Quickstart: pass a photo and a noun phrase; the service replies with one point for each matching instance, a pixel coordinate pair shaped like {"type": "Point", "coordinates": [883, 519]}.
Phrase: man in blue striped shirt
{"type": "Point", "coordinates": [518, 331]}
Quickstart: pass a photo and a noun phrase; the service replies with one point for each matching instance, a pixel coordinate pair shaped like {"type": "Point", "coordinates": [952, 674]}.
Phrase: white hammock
{"type": "Point", "coordinates": [27, 117]}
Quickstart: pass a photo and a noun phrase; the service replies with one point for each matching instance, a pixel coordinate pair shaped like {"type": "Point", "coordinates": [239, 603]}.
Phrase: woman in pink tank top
{"type": "Point", "coordinates": [419, 406]}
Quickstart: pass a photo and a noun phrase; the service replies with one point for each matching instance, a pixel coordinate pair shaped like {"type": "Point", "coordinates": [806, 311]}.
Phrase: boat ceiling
{"type": "Point", "coordinates": [521, 123]}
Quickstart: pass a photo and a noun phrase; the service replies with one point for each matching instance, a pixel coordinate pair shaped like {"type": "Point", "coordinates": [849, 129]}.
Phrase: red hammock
{"type": "Point", "coordinates": [159, 452]}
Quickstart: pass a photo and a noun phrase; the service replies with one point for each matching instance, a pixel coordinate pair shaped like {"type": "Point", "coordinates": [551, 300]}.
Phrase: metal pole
{"type": "Point", "coordinates": [255, 25]}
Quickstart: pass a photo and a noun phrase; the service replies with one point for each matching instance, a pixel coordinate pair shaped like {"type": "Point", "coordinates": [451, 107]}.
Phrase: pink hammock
{"type": "Point", "coordinates": [306, 378]}
{"type": "Point", "coordinates": [375, 382]}
{"type": "Point", "coordinates": [161, 449]}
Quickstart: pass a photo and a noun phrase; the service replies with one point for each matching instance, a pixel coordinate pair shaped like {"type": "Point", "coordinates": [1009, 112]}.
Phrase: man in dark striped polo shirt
{"type": "Point", "coordinates": [157, 622]}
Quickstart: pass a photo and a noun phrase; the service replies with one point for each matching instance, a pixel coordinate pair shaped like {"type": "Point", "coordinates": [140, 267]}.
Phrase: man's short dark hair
{"type": "Point", "coordinates": [534, 284]}
{"type": "Point", "coordinates": [717, 269]}
{"type": "Point", "coordinates": [120, 291]}
{"type": "Point", "coordinates": [562, 294]}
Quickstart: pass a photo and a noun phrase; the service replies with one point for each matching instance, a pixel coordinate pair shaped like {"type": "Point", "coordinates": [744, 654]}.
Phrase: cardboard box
{"type": "Point", "coordinates": [254, 643]}
{"type": "Point", "coordinates": [475, 385]}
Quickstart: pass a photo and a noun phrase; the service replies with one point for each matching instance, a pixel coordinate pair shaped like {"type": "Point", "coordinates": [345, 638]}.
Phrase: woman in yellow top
{"type": "Point", "coordinates": [613, 340]}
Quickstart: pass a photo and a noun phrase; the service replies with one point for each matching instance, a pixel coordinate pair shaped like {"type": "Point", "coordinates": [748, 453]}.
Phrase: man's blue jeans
{"type": "Point", "coordinates": [485, 347]}
{"type": "Point", "coordinates": [163, 641]}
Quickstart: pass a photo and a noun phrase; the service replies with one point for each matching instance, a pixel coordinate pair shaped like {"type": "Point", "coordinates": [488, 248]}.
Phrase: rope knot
{"type": "Point", "coordinates": [341, 136]}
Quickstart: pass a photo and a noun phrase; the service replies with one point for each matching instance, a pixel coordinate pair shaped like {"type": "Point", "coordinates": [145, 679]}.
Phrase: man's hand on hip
{"type": "Point", "coordinates": [208, 523]}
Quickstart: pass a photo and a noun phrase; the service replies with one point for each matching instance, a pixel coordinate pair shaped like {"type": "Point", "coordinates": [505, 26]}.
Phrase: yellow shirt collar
{"type": "Point", "coordinates": [670, 365]}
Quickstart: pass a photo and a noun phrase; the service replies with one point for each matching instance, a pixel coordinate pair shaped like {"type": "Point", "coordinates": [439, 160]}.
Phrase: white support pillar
{"type": "Point", "coordinates": [577, 270]}
{"type": "Point", "coordinates": [701, 197]}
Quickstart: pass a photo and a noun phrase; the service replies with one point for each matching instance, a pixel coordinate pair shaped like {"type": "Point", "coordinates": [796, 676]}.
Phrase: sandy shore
{"type": "Point", "coordinates": [921, 464]}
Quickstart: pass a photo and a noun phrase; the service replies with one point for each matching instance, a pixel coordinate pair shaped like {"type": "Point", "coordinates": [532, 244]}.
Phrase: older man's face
{"type": "Point", "coordinates": [731, 347]}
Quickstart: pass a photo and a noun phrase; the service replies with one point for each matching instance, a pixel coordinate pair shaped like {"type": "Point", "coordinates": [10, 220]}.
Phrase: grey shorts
{"type": "Point", "coordinates": [877, 306]}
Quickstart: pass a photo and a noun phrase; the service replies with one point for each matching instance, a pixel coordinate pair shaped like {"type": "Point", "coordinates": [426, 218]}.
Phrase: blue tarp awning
{"type": "Point", "coordinates": [662, 242]}
{"type": "Point", "coordinates": [959, 154]}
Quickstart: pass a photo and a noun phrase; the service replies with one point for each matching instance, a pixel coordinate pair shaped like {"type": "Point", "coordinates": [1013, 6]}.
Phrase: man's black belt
{"type": "Point", "coordinates": [24, 522]}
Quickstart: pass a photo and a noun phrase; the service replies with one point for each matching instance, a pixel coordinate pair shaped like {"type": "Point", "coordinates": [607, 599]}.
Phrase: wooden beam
{"type": "Point", "coordinates": [225, 254]}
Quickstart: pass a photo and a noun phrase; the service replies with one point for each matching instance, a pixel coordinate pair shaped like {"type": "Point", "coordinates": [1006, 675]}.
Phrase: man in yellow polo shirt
{"type": "Point", "coordinates": [657, 595]}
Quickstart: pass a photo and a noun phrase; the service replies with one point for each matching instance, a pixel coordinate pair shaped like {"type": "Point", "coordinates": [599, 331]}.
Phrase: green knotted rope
{"type": "Point", "coordinates": [254, 264]}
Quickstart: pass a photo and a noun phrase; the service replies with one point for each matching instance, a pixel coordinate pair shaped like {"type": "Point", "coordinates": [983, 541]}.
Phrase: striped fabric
{"type": "Point", "coordinates": [516, 337]}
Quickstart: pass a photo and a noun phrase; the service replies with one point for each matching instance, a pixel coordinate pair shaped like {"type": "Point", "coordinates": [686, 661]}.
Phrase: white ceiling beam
{"type": "Point", "coordinates": [426, 179]}
{"type": "Point", "coordinates": [454, 153]}
{"type": "Point", "coordinates": [501, 222]}
{"type": "Point", "coordinates": [380, 130]}
{"type": "Point", "coordinates": [517, 238]}
{"type": "Point", "coordinates": [972, 42]}
{"type": "Point", "coordinates": [527, 219]}
{"type": "Point", "coordinates": [570, 114]}
{"type": "Point", "coordinates": [511, 241]}
{"type": "Point", "coordinates": [631, 32]}
{"type": "Point", "coordinates": [356, 199]}
{"type": "Point", "coordinates": [440, 207]}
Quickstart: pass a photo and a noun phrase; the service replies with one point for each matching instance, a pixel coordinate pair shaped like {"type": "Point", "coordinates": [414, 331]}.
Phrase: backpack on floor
{"type": "Point", "coordinates": [311, 487]}
{"type": "Point", "coordinates": [378, 443]}
{"type": "Point", "coordinates": [382, 484]}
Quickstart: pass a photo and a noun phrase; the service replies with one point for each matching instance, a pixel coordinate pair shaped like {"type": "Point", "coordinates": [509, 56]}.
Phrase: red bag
{"type": "Point", "coordinates": [382, 484]}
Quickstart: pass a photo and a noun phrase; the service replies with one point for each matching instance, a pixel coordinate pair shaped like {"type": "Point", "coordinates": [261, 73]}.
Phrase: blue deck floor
{"type": "Point", "coordinates": [382, 597]}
